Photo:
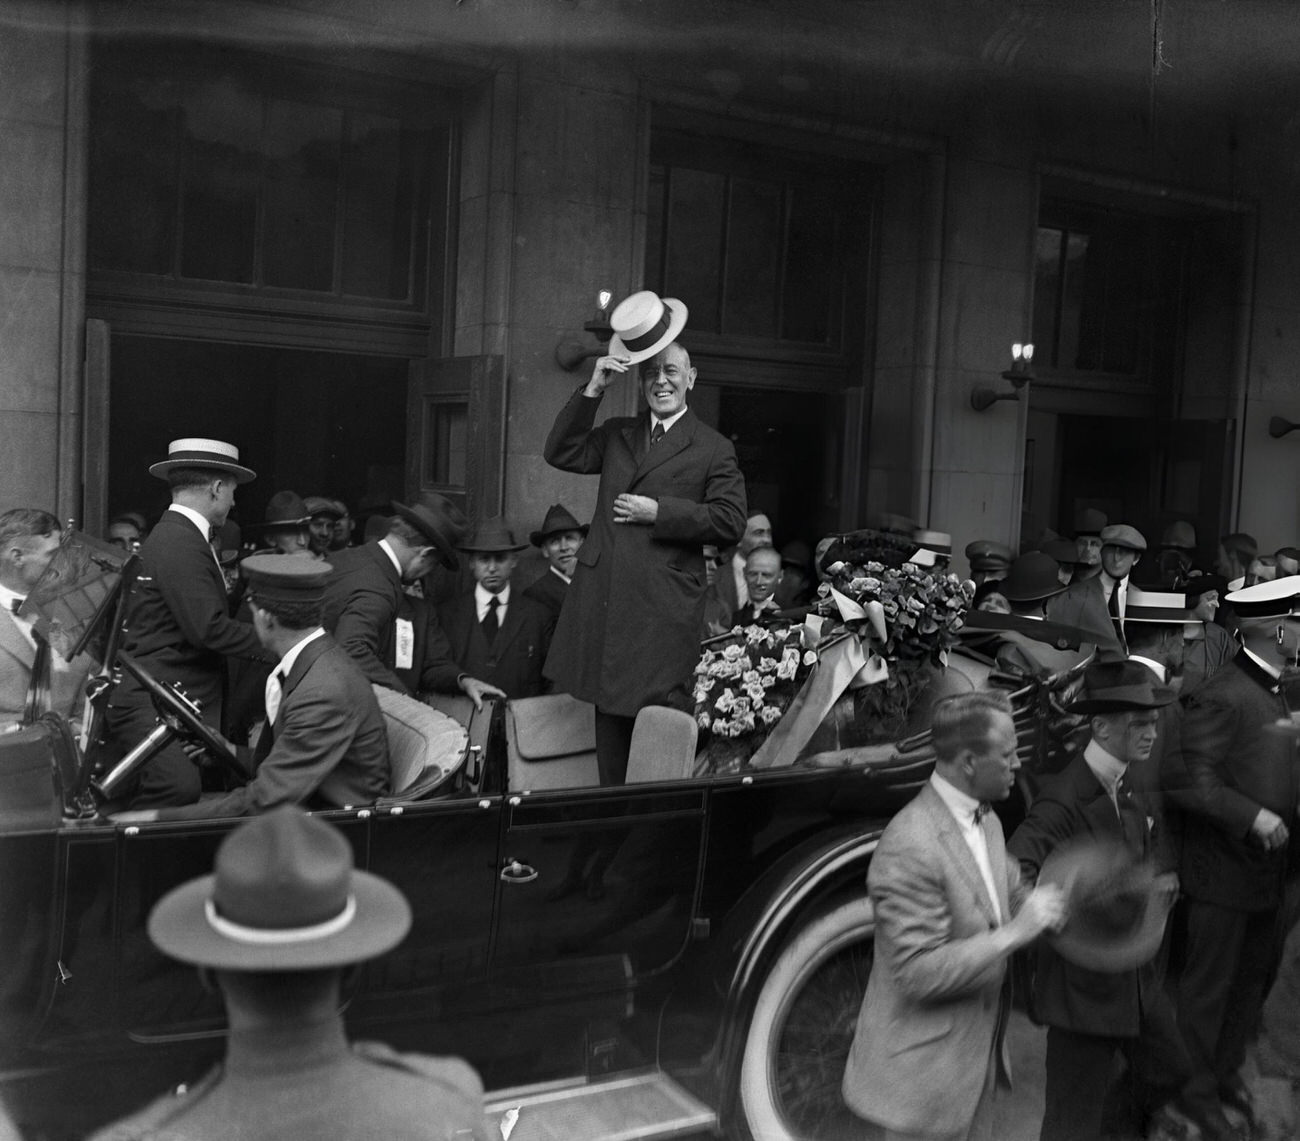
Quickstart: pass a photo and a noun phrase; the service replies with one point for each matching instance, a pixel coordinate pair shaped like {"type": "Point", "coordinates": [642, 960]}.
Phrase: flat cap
{"type": "Point", "coordinates": [286, 578]}
{"type": "Point", "coordinates": [1277, 599]}
{"type": "Point", "coordinates": [319, 505]}
{"type": "Point", "coordinates": [1122, 535]}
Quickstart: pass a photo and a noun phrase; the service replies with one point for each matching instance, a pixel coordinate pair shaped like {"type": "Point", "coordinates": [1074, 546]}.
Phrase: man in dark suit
{"type": "Point", "coordinates": [325, 744]}
{"type": "Point", "coordinates": [28, 540]}
{"type": "Point", "coordinates": [496, 633]}
{"type": "Point", "coordinates": [629, 633]}
{"type": "Point", "coordinates": [729, 585]}
{"type": "Point", "coordinates": [1097, 603]}
{"type": "Point", "coordinates": [395, 639]}
{"type": "Point", "coordinates": [1209, 647]}
{"type": "Point", "coordinates": [1091, 1014]}
{"type": "Point", "coordinates": [928, 1051]}
{"type": "Point", "coordinates": [179, 626]}
{"type": "Point", "coordinates": [559, 539]}
{"type": "Point", "coordinates": [1238, 787]}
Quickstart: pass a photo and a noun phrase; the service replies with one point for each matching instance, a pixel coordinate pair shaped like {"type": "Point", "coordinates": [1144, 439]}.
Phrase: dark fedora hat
{"type": "Point", "coordinates": [1089, 521]}
{"type": "Point", "coordinates": [286, 511]}
{"type": "Point", "coordinates": [491, 536]}
{"type": "Point", "coordinates": [1200, 584]}
{"type": "Point", "coordinates": [1119, 687]}
{"type": "Point", "coordinates": [1064, 551]}
{"type": "Point", "coordinates": [284, 896]}
{"type": "Point", "coordinates": [440, 521]}
{"type": "Point", "coordinates": [1032, 577]}
{"type": "Point", "coordinates": [1116, 906]}
{"type": "Point", "coordinates": [558, 519]}
{"type": "Point", "coordinates": [196, 452]}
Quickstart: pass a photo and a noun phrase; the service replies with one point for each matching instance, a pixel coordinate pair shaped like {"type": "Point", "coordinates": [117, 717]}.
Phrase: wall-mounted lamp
{"type": "Point", "coordinates": [1020, 373]}
{"type": "Point", "coordinates": [1278, 427]}
{"type": "Point", "coordinates": [570, 354]}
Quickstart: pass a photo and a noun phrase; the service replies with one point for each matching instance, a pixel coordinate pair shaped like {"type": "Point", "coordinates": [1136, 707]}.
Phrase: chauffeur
{"type": "Point", "coordinates": [276, 924]}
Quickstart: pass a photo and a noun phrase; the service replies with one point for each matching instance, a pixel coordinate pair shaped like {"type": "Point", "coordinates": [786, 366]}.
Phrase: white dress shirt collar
{"type": "Point", "coordinates": [392, 558]}
{"type": "Point", "coordinates": [483, 597]}
{"type": "Point", "coordinates": [1107, 768]}
{"type": "Point", "coordinates": [667, 421]}
{"type": "Point", "coordinates": [200, 521]}
{"type": "Point", "coordinates": [287, 662]}
{"type": "Point", "coordinates": [960, 804]}
{"type": "Point", "coordinates": [1267, 667]}
{"type": "Point", "coordinates": [560, 575]}
{"type": "Point", "coordinates": [963, 808]}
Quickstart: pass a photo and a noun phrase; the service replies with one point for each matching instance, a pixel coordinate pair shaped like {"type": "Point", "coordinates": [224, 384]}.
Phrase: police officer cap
{"type": "Point", "coordinates": [1122, 535]}
{"type": "Point", "coordinates": [286, 578]}
{"type": "Point", "coordinates": [986, 555]}
{"type": "Point", "coordinates": [1089, 521]}
{"type": "Point", "coordinates": [1277, 599]}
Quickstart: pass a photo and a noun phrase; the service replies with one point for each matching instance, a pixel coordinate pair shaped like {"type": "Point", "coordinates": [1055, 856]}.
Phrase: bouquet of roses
{"type": "Point", "coordinates": [913, 613]}
{"type": "Point", "coordinates": [745, 682]}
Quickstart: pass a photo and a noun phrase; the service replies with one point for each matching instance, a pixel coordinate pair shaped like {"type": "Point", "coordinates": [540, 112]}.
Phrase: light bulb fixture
{"type": "Point", "coordinates": [571, 353]}
{"type": "Point", "coordinates": [1019, 374]}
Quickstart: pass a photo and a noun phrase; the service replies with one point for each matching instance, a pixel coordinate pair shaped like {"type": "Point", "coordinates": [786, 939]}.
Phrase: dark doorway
{"type": "Point", "coordinates": [317, 423]}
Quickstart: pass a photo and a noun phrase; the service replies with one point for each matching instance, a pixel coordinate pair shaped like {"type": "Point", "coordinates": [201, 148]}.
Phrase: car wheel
{"type": "Point", "coordinates": [802, 1028]}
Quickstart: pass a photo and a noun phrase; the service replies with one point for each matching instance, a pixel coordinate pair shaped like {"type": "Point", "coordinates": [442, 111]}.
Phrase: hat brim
{"type": "Point", "coordinates": [242, 474]}
{"type": "Point", "coordinates": [537, 538]}
{"type": "Point", "coordinates": [1031, 593]}
{"type": "Point", "coordinates": [443, 540]}
{"type": "Point", "coordinates": [1116, 702]}
{"type": "Point", "coordinates": [492, 549]}
{"type": "Point", "coordinates": [676, 323]}
{"type": "Point", "coordinates": [178, 926]}
{"type": "Point", "coordinates": [1092, 949]}
{"type": "Point", "coordinates": [282, 525]}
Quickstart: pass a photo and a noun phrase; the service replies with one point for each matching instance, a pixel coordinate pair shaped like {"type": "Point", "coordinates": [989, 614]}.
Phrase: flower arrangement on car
{"type": "Point", "coordinates": [744, 683]}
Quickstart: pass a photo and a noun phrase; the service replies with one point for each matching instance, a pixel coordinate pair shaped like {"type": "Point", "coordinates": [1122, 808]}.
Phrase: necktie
{"type": "Point", "coordinates": [490, 623]}
{"type": "Point", "coordinates": [982, 810]}
{"type": "Point", "coordinates": [656, 433]}
{"type": "Point", "coordinates": [1113, 604]}
{"type": "Point", "coordinates": [17, 604]}
{"type": "Point", "coordinates": [274, 691]}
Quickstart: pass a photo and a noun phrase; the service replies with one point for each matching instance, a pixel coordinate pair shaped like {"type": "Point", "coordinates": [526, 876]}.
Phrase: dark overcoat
{"type": "Point", "coordinates": [363, 602]}
{"type": "Point", "coordinates": [1073, 805]}
{"type": "Point", "coordinates": [550, 590]}
{"type": "Point", "coordinates": [514, 660]}
{"type": "Point", "coordinates": [1083, 604]}
{"type": "Point", "coordinates": [1230, 769]}
{"type": "Point", "coordinates": [629, 635]}
{"type": "Point", "coordinates": [328, 747]}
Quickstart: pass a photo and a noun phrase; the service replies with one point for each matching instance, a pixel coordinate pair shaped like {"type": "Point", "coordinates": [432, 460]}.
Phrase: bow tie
{"type": "Point", "coordinates": [982, 810]}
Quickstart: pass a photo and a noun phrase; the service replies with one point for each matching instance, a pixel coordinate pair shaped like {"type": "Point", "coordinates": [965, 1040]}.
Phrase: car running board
{"type": "Point", "coordinates": [630, 1107]}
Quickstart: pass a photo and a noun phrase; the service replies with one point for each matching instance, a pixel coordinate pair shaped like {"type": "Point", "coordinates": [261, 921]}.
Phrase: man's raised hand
{"type": "Point", "coordinates": [605, 370]}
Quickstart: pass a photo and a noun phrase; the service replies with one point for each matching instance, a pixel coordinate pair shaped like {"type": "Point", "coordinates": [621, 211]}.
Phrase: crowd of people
{"type": "Point", "coordinates": [282, 639]}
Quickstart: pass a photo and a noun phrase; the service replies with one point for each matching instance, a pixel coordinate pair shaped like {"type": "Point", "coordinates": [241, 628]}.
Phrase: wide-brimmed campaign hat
{"type": "Point", "coordinates": [1116, 906]}
{"type": "Point", "coordinates": [491, 536]}
{"type": "Point", "coordinates": [1156, 604]}
{"type": "Point", "coordinates": [285, 511]}
{"type": "Point", "coordinates": [558, 519]}
{"type": "Point", "coordinates": [440, 521]}
{"type": "Point", "coordinates": [196, 452]}
{"type": "Point", "coordinates": [1119, 687]}
{"type": "Point", "coordinates": [644, 323]}
{"type": "Point", "coordinates": [284, 896]}
{"type": "Point", "coordinates": [1032, 577]}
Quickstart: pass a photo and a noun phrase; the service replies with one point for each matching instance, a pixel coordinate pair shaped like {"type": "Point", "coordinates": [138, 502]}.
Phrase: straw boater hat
{"type": "Point", "coordinates": [492, 536]}
{"type": "Point", "coordinates": [214, 455]}
{"type": "Point", "coordinates": [558, 518]}
{"type": "Point", "coordinates": [440, 521]}
{"type": "Point", "coordinates": [1116, 905]}
{"type": "Point", "coordinates": [1155, 604]}
{"type": "Point", "coordinates": [284, 896]}
{"type": "Point", "coordinates": [644, 323]}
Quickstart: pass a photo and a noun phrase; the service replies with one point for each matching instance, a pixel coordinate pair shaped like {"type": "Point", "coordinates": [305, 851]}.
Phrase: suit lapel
{"type": "Point", "coordinates": [305, 661]}
{"type": "Point", "coordinates": [13, 642]}
{"type": "Point", "coordinates": [637, 437]}
{"type": "Point", "coordinates": [955, 844]}
{"type": "Point", "coordinates": [510, 627]}
{"type": "Point", "coordinates": [674, 441]}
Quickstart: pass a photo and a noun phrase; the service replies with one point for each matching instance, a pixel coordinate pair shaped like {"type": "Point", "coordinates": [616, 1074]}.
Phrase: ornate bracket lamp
{"type": "Point", "coordinates": [1279, 427]}
{"type": "Point", "coordinates": [1020, 373]}
{"type": "Point", "coordinates": [570, 354]}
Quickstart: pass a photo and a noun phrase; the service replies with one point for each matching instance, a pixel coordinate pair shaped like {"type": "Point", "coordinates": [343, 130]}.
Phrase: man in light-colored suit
{"type": "Point", "coordinates": [28, 540]}
{"type": "Point", "coordinates": [928, 1051]}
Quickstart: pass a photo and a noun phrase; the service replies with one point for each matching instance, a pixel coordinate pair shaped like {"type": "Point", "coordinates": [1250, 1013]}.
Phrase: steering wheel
{"type": "Point", "coordinates": [179, 716]}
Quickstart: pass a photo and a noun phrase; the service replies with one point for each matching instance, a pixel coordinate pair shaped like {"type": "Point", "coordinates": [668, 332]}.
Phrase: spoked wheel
{"type": "Point", "coordinates": [802, 1028]}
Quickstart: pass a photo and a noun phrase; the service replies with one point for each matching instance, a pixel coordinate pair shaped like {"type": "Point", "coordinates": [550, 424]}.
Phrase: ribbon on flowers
{"type": "Point", "coordinates": [852, 611]}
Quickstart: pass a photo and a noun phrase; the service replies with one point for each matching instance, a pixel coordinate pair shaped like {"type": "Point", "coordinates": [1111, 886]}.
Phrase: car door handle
{"type": "Point", "coordinates": [512, 871]}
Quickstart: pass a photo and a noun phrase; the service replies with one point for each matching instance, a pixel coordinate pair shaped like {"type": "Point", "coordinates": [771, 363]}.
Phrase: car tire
{"type": "Point", "coordinates": [802, 1027]}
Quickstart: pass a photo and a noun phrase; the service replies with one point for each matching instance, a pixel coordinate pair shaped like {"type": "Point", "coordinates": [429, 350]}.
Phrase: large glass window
{"type": "Point", "coordinates": [211, 166]}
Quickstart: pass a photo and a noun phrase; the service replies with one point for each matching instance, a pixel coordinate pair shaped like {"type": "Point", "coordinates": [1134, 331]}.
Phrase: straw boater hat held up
{"type": "Point", "coordinates": [643, 324]}
{"type": "Point", "coordinates": [284, 896]}
{"type": "Point", "coordinates": [440, 521]}
{"type": "Point", "coordinates": [558, 519]}
{"type": "Point", "coordinates": [210, 455]}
